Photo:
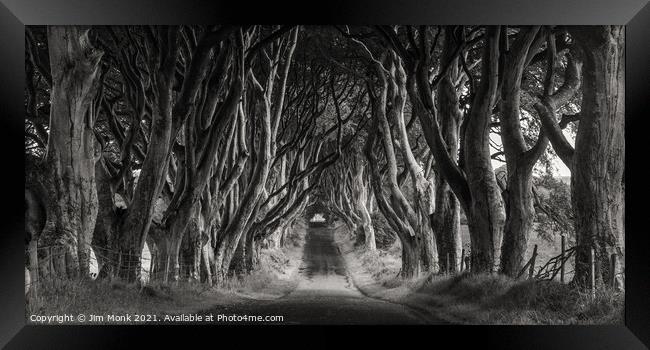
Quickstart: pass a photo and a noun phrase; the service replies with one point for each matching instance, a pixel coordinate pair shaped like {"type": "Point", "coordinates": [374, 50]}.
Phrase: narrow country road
{"type": "Point", "coordinates": [325, 294]}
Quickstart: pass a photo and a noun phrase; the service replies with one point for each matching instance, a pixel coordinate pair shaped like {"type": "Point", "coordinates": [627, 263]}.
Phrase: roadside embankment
{"type": "Point", "coordinates": [476, 299]}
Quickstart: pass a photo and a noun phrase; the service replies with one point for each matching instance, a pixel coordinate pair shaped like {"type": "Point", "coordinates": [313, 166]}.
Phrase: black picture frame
{"type": "Point", "coordinates": [635, 14]}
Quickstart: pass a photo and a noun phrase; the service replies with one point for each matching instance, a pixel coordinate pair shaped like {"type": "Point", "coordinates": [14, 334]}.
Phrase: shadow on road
{"type": "Point", "coordinates": [325, 294]}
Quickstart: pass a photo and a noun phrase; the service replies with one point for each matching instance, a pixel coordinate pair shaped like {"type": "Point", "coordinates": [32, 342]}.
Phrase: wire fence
{"type": "Point", "coordinates": [555, 268]}
{"type": "Point", "coordinates": [50, 268]}
{"type": "Point", "coordinates": [560, 268]}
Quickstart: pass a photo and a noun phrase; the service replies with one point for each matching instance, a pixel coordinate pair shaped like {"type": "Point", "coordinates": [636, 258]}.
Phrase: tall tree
{"type": "Point", "coordinates": [203, 134]}
{"type": "Point", "coordinates": [69, 169]}
{"type": "Point", "coordinates": [410, 219]}
{"type": "Point", "coordinates": [446, 218]}
{"type": "Point", "coordinates": [133, 230]}
{"type": "Point", "coordinates": [486, 213]}
{"type": "Point", "coordinates": [270, 104]}
{"type": "Point", "coordinates": [472, 180]}
{"type": "Point", "coordinates": [520, 158]}
{"type": "Point", "coordinates": [597, 163]}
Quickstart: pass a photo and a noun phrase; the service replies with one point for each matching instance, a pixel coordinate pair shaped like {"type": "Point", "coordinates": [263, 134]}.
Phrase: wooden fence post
{"type": "Point", "coordinates": [50, 260]}
{"type": "Point", "coordinates": [563, 244]}
{"type": "Point", "coordinates": [133, 271]}
{"type": "Point", "coordinates": [592, 263]}
{"type": "Point", "coordinates": [166, 269]}
{"type": "Point", "coordinates": [119, 264]}
{"type": "Point", "coordinates": [462, 259]}
{"type": "Point", "coordinates": [151, 265]}
{"type": "Point", "coordinates": [613, 271]}
{"type": "Point", "coordinates": [531, 269]}
{"type": "Point", "coordinates": [448, 266]}
{"type": "Point", "coordinates": [33, 269]}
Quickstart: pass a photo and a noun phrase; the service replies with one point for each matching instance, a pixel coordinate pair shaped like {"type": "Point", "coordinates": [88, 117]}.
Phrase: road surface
{"type": "Point", "coordinates": [325, 295]}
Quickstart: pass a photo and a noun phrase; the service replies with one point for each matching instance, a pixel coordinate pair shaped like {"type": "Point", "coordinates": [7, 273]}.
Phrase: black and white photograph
{"type": "Point", "coordinates": [325, 174]}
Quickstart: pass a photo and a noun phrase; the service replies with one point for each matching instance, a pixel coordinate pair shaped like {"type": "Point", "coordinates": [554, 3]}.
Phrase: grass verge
{"type": "Point", "coordinates": [497, 299]}
{"type": "Point", "coordinates": [274, 277]}
{"type": "Point", "coordinates": [117, 298]}
{"type": "Point", "coordinates": [479, 298]}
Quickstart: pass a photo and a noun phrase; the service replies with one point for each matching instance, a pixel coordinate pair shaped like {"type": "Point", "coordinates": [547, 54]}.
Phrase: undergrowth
{"type": "Point", "coordinates": [113, 297]}
{"type": "Point", "coordinates": [269, 275]}
{"type": "Point", "coordinates": [382, 264]}
{"type": "Point", "coordinates": [495, 298]}
{"type": "Point", "coordinates": [103, 297]}
{"type": "Point", "coordinates": [499, 299]}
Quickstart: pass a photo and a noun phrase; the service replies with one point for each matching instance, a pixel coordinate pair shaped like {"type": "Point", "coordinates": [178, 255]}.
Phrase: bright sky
{"type": "Point", "coordinates": [561, 169]}
{"type": "Point", "coordinates": [318, 218]}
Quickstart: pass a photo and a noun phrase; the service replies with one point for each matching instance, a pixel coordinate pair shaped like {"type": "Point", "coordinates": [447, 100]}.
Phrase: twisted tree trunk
{"type": "Point", "coordinates": [133, 230]}
{"type": "Point", "coordinates": [597, 181]}
{"type": "Point", "coordinates": [396, 210]}
{"type": "Point", "coordinates": [474, 183]}
{"type": "Point", "coordinates": [268, 127]}
{"type": "Point", "coordinates": [597, 163]}
{"type": "Point", "coordinates": [446, 218]}
{"type": "Point", "coordinates": [485, 214]}
{"type": "Point", "coordinates": [70, 158]}
{"type": "Point", "coordinates": [361, 200]}
{"type": "Point", "coordinates": [520, 161]}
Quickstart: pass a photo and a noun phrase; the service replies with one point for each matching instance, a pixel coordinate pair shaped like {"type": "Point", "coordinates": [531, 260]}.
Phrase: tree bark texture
{"type": "Point", "coordinates": [70, 158]}
{"type": "Point", "coordinates": [597, 181]}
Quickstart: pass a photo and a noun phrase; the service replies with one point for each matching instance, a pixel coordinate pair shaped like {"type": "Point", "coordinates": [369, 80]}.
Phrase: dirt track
{"type": "Point", "coordinates": [325, 294]}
